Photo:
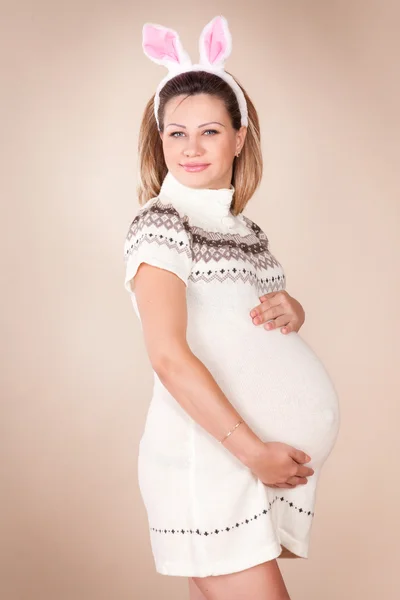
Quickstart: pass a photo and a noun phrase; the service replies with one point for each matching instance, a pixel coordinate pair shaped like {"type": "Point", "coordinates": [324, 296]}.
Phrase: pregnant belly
{"type": "Point", "coordinates": [277, 383]}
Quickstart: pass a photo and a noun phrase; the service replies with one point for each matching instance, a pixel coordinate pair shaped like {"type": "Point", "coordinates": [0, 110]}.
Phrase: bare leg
{"type": "Point", "coordinates": [262, 582]}
{"type": "Point", "coordinates": [194, 591]}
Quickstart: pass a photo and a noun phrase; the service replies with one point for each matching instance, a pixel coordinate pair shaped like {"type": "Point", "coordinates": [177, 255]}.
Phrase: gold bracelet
{"type": "Point", "coordinates": [231, 431]}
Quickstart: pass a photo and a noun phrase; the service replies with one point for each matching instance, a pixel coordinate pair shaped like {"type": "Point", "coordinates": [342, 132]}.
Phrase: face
{"type": "Point", "coordinates": [198, 131]}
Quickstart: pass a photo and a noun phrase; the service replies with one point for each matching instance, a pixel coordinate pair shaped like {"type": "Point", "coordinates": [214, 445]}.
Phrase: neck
{"type": "Point", "coordinates": [207, 201]}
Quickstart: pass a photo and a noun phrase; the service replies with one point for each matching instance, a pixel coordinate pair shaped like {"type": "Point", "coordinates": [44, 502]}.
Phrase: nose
{"type": "Point", "coordinates": [192, 148]}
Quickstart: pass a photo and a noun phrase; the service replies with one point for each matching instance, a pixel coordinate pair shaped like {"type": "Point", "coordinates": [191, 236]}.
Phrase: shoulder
{"type": "Point", "coordinates": [158, 227]}
{"type": "Point", "coordinates": [157, 215]}
{"type": "Point", "coordinates": [256, 229]}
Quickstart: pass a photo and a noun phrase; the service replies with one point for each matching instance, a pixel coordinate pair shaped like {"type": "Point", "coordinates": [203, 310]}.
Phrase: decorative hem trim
{"type": "Point", "coordinates": [236, 525]}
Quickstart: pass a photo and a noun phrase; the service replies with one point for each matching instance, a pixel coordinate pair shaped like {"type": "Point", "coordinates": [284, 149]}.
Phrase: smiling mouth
{"type": "Point", "coordinates": [195, 166]}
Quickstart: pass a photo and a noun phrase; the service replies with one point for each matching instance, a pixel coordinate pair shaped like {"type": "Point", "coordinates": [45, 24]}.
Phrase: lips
{"type": "Point", "coordinates": [194, 164]}
{"type": "Point", "coordinates": [195, 167]}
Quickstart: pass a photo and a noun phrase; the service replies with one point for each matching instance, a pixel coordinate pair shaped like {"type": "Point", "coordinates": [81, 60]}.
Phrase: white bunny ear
{"type": "Point", "coordinates": [163, 46]}
{"type": "Point", "coordinates": [215, 43]}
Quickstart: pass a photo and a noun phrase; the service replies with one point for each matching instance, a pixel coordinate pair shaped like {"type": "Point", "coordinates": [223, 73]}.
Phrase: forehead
{"type": "Point", "coordinates": [196, 108]}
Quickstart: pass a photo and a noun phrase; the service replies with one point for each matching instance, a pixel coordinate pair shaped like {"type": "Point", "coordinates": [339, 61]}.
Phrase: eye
{"type": "Point", "coordinates": [212, 131]}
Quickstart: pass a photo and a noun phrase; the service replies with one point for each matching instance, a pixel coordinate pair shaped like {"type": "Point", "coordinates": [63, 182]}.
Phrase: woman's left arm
{"type": "Point", "coordinates": [278, 309]}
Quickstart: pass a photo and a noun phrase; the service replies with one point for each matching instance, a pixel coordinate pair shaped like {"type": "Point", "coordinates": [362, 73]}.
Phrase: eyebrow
{"type": "Point", "coordinates": [202, 125]}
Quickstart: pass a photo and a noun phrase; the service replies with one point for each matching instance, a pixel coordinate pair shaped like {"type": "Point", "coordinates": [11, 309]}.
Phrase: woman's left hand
{"type": "Point", "coordinates": [284, 310]}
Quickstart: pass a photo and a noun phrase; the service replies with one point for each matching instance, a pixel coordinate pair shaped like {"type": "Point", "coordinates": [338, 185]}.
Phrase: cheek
{"type": "Point", "coordinates": [225, 151]}
{"type": "Point", "coordinates": [169, 147]}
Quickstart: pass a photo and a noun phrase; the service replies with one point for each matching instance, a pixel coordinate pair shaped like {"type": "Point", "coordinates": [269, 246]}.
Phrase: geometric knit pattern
{"type": "Point", "coordinates": [227, 528]}
{"type": "Point", "coordinates": [248, 255]}
{"type": "Point", "coordinates": [145, 224]}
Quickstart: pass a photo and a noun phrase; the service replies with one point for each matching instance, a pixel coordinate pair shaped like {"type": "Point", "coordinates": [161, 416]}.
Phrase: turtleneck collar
{"type": "Point", "coordinates": [205, 201]}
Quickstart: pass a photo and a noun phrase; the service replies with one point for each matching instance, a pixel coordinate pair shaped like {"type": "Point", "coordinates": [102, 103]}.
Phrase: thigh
{"type": "Point", "coordinates": [261, 582]}
{"type": "Point", "coordinates": [194, 591]}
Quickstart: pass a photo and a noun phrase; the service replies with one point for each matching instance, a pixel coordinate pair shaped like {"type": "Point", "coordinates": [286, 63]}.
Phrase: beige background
{"type": "Point", "coordinates": [76, 382]}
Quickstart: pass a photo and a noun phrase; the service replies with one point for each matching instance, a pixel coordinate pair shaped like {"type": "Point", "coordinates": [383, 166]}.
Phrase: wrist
{"type": "Point", "coordinates": [245, 445]}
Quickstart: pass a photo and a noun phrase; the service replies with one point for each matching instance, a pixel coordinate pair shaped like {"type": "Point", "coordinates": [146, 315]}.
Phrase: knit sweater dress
{"type": "Point", "coordinates": [208, 514]}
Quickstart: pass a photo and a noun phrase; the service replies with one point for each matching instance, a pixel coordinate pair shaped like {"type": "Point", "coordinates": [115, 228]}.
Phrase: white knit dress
{"type": "Point", "coordinates": [208, 514]}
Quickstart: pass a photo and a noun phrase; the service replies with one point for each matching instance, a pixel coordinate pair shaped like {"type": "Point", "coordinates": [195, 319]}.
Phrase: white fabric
{"type": "Point", "coordinates": [208, 514]}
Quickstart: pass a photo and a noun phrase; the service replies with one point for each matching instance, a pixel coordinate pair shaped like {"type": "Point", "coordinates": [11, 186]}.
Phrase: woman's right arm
{"type": "Point", "coordinates": [161, 301]}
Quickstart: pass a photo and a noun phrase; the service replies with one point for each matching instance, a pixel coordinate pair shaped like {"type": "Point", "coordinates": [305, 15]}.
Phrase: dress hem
{"type": "Point", "coordinates": [246, 562]}
{"type": "Point", "coordinates": [295, 546]}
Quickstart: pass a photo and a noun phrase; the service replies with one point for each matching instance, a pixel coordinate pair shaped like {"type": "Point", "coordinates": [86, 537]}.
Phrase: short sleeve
{"type": "Point", "coordinates": [159, 236]}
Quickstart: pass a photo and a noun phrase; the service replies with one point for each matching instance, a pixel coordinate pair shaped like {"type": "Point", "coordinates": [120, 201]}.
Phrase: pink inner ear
{"type": "Point", "coordinates": [215, 42]}
{"type": "Point", "coordinates": [160, 43]}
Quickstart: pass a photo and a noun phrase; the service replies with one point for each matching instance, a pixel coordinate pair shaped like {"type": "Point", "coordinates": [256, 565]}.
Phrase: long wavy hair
{"type": "Point", "coordinates": [247, 168]}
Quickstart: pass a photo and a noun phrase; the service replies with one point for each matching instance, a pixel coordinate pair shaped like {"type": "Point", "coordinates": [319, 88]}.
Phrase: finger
{"type": "Point", "coordinates": [266, 297]}
{"type": "Point", "coordinates": [279, 485]}
{"type": "Point", "coordinates": [260, 308]}
{"type": "Point", "coordinates": [287, 329]}
{"type": "Point", "coordinates": [286, 325]}
{"type": "Point", "coordinates": [299, 456]}
{"type": "Point", "coordinates": [280, 297]}
{"type": "Point", "coordinates": [264, 314]}
{"type": "Point", "coordinates": [278, 306]}
{"type": "Point", "coordinates": [267, 301]}
{"type": "Point", "coordinates": [305, 471]}
{"type": "Point", "coordinates": [272, 295]}
{"type": "Point", "coordinates": [283, 320]}
{"type": "Point", "coordinates": [285, 485]}
{"type": "Point", "coordinates": [297, 480]}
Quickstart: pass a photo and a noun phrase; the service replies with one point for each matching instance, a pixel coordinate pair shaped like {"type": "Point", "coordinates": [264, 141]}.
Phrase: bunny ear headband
{"type": "Point", "coordinates": [163, 46]}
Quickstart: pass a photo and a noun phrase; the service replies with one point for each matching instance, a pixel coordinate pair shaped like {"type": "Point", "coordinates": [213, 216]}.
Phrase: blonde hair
{"type": "Point", "coordinates": [247, 168]}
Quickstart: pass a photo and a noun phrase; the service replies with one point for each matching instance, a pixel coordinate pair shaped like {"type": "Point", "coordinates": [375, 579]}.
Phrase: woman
{"type": "Point", "coordinates": [241, 419]}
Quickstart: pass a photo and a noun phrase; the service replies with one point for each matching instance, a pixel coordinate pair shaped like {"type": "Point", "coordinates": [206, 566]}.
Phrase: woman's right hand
{"type": "Point", "coordinates": [280, 465]}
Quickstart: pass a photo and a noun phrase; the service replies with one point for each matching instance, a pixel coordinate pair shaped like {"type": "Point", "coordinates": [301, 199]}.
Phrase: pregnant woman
{"type": "Point", "coordinates": [241, 420]}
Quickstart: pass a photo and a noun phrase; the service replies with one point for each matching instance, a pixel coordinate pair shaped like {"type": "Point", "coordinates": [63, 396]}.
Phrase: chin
{"type": "Point", "coordinates": [203, 178]}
